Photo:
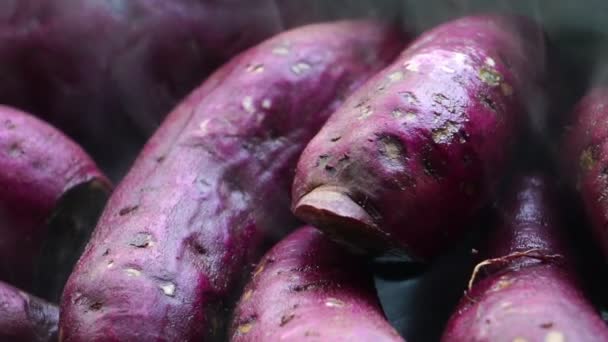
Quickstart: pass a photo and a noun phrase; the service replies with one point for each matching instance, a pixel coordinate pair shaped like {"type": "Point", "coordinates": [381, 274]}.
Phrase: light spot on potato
{"type": "Point", "coordinates": [391, 148]}
{"type": "Point", "coordinates": [519, 339]}
{"type": "Point", "coordinates": [502, 284]}
{"type": "Point", "coordinates": [111, 264]}
{"type": "Point", "coordinates": [204, 126]}
{"type": "Point", "coordinates": [248, 104]}
{"type": "Point", "coordinates": [258, 270]}
{"type": "Point", "coordinates": [447, 69]}
{"type": "Point", "coordinates": [412, 66]}
{"type": "Point", "coordinates": [245, 328]}
{"type": "Point", "coordinates": [490, 62]}
{"type": "Point", "coordinates": [255, 68]}
{"type": "Point", "coordinates": [247, 295]}
{"type": "Point", "coordinates": [131, 272]}
{"type": "Point", "coordinates": [168, 289]}
{"type": "Point", "coordinates": [444, 133]}
{"type": "Point", "coordinates": [300, 68]}
{"type": "Point", "coordinates": [490, 76]}
{"type": "Point", "coordinates": [281, 50]}
{"type": "Point", "coordinates": [506, 88]}
{"type": "Point", "coordinates": [366, 112]}
{"type": "Point", "coordinates": [409, 117]}
{"type": "Point", "coordinates": [334, 303]}
{"type": "Point", "coordinates": [587, 161]}
{"type": "Point", "coordinates": [395, 76]}
{"type": "Point", "coordinates": [555, 336]}
{"type": "Point", "coordinates": [266, 103]}
{"type": "Point", "coordinates": [397, 113]}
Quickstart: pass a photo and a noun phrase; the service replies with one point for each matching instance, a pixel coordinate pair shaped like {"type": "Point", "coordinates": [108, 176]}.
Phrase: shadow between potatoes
{"type": "Point", "coordinates": [418, 300]}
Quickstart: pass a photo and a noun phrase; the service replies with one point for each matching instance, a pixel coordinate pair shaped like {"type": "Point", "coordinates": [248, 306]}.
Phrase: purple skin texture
{"type": "Point", "coordinates": [424, 141]}
{"type": "Point", "coordinates": [523, 298]}
{"type": "Point", "coordinates": [25, 318]}
{"type": "Point", "coordinates": [308, 288]}
{"type": "Point", "coordinates": [585, 159]}
{"type": "Point", "coordinates": [179, 233]}
{"type": "Point", "coordinates": [95, 68]}
{"type": "Point", "coordinates": [38, 167]}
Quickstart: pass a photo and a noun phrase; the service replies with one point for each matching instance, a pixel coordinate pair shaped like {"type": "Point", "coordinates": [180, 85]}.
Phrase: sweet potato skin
{"type": "Point", "coordinates": [99, 68]}
{"type": "Point", "coordinates": [429, 134]}
{"type": "Point", "coordinates": [532, 299]}
{"type": "Point", "coordinates": [38, 166]}
{"type": "Point", "coordinates": [182, 228]}
{"type": "Point", "coordinates": [307, 287]}
{"type": "Point", "coordinates": [26, 318]}
{"type": "Point", "coordinates": [585, 158]}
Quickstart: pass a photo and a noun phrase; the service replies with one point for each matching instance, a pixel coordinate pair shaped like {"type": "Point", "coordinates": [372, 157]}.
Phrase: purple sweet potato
{"type": "Point", "coordinates": [530, 291]}
{"type": "Point", "coordinates": [425, 141]}
{"type": "Point", "coordinates": [212, 185]}
{"type": "Point", "coordinates": [308, 287]}
{"type": "Point", "coordinates": [115, 68]}
{"type": "Point", "coordinates": [51, 195]}
{"type": "Point", "coordinates": [26, 318]}
{"type": "Point", "coordinates": [585, 159]}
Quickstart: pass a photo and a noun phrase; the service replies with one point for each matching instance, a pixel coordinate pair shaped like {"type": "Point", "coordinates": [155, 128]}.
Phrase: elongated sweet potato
{"type": "Point", "coordinates": [308, 287]}
{"type": "Point", "coordinates": [531, 291]}
{"type": "Point", "coordinates": [115, 68]}
{"type": "Point", "coordinates": [211, 185]}
{"type": "Point", "coordinates": [25, 318]}
{"type": "Point", "coordinates": [51, 196]}
{"type": "Point", "coordinates": [425, 141]}
{"type": "Point", "coordinates": [585, 159]}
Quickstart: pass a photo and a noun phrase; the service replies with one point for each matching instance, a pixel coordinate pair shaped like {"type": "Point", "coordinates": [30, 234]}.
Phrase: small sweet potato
{"type": "Point", "coordinates": [51, 196]}
{"type": "Point", "coordinates": [212, 185]}
{"type": "Point", "coordinates": [530, 291]}
{"type": "Point", "coordinates": [308, 287]}
{"type": "Point", "coordinates": [585, 159]}
{"type": "Point", "coordinates": [25, 318]}
{"type": "Point", "coordinates": [425, 141]}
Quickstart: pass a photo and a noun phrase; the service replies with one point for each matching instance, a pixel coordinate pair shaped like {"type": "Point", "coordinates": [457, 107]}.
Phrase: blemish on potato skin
{"type": "Point", "coordinates": [244, 328]}
{"type": "Point", "coordinates": [322, 161]}
{"type": "Point", "coordinates": [247, 295]}
{"type": "Point", "coordinates": [247, 104]}
{"type": "Point", "coordinates": [246, 325]}
{"type": "Point", "coordinates": [587, 159]}
{"type": "Point", "coordinates": [15, 150]}
{"type": "Point", "coordinates": [300, 68]}
{"type": "Point", "coordinates": [127, 210]}
{"type": "Point", "coordinates": [131, 272]}
{"type": "Point", "coordinates": [255, 68]}
{"type": "Point", "coordinates": [286, 319]}
{"type": "Point", "coordinates": [334, 303]}
{"type": "Point", "coordinates": [366, 112]}
{"type": "Point", "coordinates": [168, 289]}
{"type": "Point", "coordinates": [409, 97]}
{"type": "Point", "coordinates": [391, 148]}
{"type": "Point", "coordinates": [142, 240]}
{"type": "Point", "coordinates": [519, 339]}
{"type": "Point", "coordinates": [490, 76]}
{"type": "Point", "coordinates": [8, 124]}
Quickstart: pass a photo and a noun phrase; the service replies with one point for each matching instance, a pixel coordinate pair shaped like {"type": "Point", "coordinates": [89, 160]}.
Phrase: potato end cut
{"type": "Point", "coordinates": [332, 210]}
